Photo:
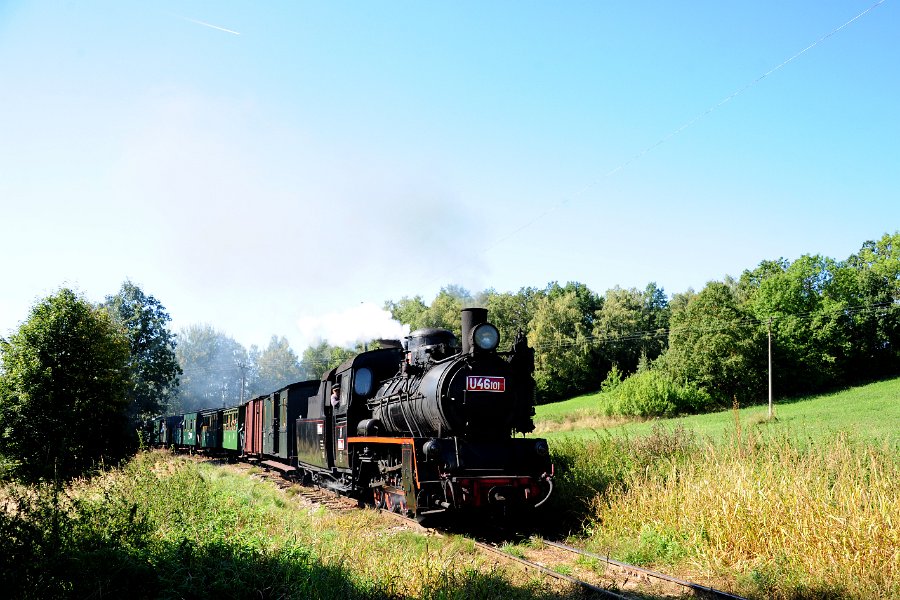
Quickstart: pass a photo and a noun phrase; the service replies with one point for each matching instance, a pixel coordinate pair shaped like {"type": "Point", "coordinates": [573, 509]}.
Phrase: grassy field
{"type": "Point", "coordinates": [804, 506]}
{"type": "Point", "coordinates": [869, 412]}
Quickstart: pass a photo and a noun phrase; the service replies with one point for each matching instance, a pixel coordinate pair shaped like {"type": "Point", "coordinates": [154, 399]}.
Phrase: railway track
{"type": "Point", "coordinates": [617, 580]}
{"type": "Point", "coordinates": [596, 574]}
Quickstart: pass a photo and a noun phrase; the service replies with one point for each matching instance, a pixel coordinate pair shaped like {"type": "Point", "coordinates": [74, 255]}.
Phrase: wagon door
{"type": "Point", "coordinates": [281, 446]}
{"type": "Point", "coordinates": [270, 424]}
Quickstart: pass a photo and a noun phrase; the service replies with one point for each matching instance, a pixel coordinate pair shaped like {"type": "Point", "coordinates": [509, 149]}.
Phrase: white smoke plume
{"type": "Point", "coordinates": [347, 327]}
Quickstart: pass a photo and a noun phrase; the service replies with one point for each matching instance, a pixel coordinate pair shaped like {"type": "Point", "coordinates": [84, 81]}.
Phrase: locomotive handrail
{"type": "Point", "coordinates": [549, 492]}
{"type": "Point", "coordinates": [403, 404]}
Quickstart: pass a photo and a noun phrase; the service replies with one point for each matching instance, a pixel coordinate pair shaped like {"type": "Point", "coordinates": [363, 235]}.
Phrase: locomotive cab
{"type": "Point", "coordinates": [323, 433]}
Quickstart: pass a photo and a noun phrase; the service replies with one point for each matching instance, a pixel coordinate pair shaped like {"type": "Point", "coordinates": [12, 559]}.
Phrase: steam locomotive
{"type": "Point", "coordinates": [421, 428]}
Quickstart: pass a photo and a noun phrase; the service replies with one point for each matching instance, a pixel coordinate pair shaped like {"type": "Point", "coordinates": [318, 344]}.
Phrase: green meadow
{"type": "Point", "coordinates": [870, 412]}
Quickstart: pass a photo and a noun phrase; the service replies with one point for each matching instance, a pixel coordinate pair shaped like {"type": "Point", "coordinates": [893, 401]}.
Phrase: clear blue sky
{"type": "Point", "coordinates": [266, 166]}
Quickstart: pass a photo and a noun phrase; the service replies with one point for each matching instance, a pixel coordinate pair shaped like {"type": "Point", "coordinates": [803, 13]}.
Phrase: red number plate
{"type": "Point", "coordinates": [477, 383]}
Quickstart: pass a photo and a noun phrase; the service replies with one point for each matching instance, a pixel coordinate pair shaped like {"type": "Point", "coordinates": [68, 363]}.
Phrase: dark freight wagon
{"type": "Point", "coordinates": [171, 433]}
{"type": "Point", "coordinates": [156, 431]}
{"type": "Point", "coordinates": [279, 411]}
{"type": "Point", "coordinates": [292, 402]}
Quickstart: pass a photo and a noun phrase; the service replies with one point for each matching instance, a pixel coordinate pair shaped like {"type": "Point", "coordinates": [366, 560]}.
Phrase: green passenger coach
{"type": "Point", "coordinates": [189, 430]}
{"type": "Point", "coordinates": [232, 429]}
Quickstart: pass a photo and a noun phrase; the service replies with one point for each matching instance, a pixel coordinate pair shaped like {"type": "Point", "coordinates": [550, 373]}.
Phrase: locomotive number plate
{"type": "Point", "coordinates": [478, 383]}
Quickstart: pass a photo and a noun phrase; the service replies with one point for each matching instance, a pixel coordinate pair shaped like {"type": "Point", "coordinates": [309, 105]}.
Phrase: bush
{"type": "Point", "coordinates": [655, 394]}
{"type": "Point", "coordinates": [613, 380]}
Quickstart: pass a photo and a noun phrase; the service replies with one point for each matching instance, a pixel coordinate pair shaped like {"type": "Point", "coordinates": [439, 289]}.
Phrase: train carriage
{"type": "Point", "coordinates": [293, 404]}
{"type": "Point", "coordinates": [190, 431]}
{"type": "Point", "coordinates": [171, 431]}
{"type": "Point", "coordinates": [156, 431]}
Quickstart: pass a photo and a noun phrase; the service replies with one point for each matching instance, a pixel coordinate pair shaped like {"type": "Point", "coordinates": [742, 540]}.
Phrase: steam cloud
{"type": "Point", "coordinates": [345, 328]}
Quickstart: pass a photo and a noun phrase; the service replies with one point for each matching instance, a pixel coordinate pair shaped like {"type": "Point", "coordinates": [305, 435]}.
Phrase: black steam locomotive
{"type": "Point", "coordinates": [422, 429]}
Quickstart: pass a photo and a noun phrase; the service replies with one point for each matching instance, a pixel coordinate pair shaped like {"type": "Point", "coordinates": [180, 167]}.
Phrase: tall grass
{"type": "Point", "coordinates": [778, 517]}
{"type": "Point", "coordinates": [165, 527]}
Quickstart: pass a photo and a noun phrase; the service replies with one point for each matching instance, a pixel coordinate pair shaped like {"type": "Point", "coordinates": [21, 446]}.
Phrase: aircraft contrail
{"type": "Point", "coordinates": [205, 24]}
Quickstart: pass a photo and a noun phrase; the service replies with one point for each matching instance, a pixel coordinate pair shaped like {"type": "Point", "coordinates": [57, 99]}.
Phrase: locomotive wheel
{"type": "Point", "coordinates": [378, 497]}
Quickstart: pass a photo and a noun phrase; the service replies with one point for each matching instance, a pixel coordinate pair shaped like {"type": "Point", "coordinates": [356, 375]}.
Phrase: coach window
{"type": "Point", "coordinates": [345, 393]}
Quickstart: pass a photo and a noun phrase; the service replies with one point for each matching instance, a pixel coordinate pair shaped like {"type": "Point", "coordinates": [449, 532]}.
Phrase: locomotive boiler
{"type": "Point", "coordinates": [444, 392]}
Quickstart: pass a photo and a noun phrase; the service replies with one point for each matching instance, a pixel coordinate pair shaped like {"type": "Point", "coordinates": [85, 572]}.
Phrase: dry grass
{"type": "Point", "coordinates": [579, 420]}
{"type": "Point", "coordinates": [791, 520]}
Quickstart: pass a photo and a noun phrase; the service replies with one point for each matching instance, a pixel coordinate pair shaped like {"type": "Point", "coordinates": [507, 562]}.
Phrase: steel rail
{"type": "Point", "coordinates": [533, 565]}
{"type": "Point", "coordinates": [696, 587]}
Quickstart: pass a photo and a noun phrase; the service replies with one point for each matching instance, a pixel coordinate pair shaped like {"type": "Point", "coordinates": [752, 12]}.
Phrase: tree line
{"type": "Point", "coordinates": [77, 379]}
{"type": "Point", "coordinates": [832, 323]}
{"type": "Point", "coordinates": [219, 371]}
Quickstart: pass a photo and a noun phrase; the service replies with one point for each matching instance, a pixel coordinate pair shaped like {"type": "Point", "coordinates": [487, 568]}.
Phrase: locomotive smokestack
{"type": "Point", "coordinates": [471, 318]}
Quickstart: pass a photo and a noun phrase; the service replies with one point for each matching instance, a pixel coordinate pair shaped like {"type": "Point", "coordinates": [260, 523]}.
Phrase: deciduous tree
{"type": "Point", "coordinates": [632, 324]}
{"type": "Point", "coordinates": [509, 312]}
{"type": "Point", "coordinates": [154, 368]}
{"type": "Point", "coordinates": [564, 356]}
{"type": "Point", "coordinates": [276, 366]}
{"type": "Point", "coordinates": [716, 345]}
{"type": "Point", "coordinates": [321, 358]}
{"type": "Point", "coordinates": [63, 390]}
{"type": "Point", "coordinates": [215, 369]}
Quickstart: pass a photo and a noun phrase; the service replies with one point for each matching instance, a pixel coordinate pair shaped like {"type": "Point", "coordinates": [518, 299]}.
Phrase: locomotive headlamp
{"type": "Point", "coordinates": [541, 448]}
{"type": "Point", "coordinates": [486, 336]}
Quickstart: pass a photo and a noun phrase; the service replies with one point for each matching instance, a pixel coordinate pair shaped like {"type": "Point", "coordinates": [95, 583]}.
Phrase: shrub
{"type": "Point", "coordinates": [654, 394]}
{"type": "Point", "coordinates": [612, 381]}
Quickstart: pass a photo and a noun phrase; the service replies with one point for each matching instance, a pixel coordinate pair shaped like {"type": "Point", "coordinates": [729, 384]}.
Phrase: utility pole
{"type": "Point", "coordinates": [242, 367]}
{"type": "Point", "coordinates": [770, 367]}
